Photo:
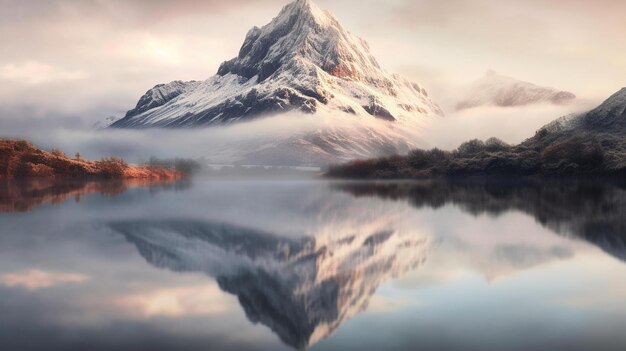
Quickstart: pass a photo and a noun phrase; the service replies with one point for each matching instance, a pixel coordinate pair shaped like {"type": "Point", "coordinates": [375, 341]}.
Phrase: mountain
{"type": "Point", "coordinates": [306, 63]}
{"type": "Point", "coordinates": [302, 288]}
{"type": "Point", "coordinates": [587, 144]}
{"type": "Point", "coordinates": [304, 60]}
{"type": "Point", "coordinates": [105, 123]}
{"type": "Point", "coordinates": [498, 90]}
{"type": "Point", "coordinates": [608, 118]}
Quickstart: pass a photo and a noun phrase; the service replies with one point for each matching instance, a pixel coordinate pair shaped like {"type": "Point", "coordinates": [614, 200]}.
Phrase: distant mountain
{"type": "Point", "coordinates": [587, 144]}
{"type": "Point", "coordinates": [498, 90]}
{"type": "Point", "coordinates": [303, 60]}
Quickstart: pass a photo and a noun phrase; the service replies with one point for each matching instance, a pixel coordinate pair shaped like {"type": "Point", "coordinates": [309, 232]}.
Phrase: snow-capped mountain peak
{"type": "Point", "coordinates": [302, 32]}
{"type": "Point", "coordinates": [302, 60]}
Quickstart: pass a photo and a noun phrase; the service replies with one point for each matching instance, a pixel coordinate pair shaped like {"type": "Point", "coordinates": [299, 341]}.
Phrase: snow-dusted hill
{"type": "Point", "coordinates": [498, 90]}
{"type": "Point", "coordinates": [608, 118]}
{"type": "Point", "coordinates": [303, 60]}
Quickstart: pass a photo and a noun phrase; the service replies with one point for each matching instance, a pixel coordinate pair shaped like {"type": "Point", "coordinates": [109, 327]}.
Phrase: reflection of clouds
{"type": "Point", "coordinates": [176, 302]}
{"type": "Point", "coordinates": [383, 304]}
{"type": "Point", "coordinates": [496, 248]}
{"type": "Point", "coordinates": [36, 279]}
{"type": "Point", "coordinates": [604, 282]}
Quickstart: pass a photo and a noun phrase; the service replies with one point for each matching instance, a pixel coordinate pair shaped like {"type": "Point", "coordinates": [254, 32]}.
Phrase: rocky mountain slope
{"type": "Point", "coordinates": [306, 66]}
{"type": "Point", "coordinates": [498, 90]}
{"type": "Point", "coordinates": [303, 60]}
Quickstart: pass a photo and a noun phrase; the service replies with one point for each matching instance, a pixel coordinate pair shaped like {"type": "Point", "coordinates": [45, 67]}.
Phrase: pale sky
{"type": "Point", "coordinates": [98, 57]}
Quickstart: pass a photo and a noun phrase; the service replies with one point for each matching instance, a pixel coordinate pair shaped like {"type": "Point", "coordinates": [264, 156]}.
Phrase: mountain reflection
{"type": "Point", "coordinates": [24, 196]}
{"type": "Point", "coordinates": [303, 289]}
{"type": "Point", "coordinates": [594, 212]}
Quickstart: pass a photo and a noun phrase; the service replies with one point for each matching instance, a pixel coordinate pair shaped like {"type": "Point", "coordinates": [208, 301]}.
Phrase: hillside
{"type": "Point", "coordinates": [588, 144]}
{"type": "Point", "coordinates": [21, 160]}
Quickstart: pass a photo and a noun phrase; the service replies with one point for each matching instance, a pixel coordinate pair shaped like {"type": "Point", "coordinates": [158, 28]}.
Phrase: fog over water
{"type": "Point", "coordinates": [72, 133]}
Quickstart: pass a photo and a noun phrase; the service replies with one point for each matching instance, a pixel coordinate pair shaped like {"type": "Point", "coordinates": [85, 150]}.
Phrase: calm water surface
{"type": "Point", "coordinates": [262, 265]}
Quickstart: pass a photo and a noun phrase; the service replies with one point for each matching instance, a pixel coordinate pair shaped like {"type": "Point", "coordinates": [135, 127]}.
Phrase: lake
{"type": "Point", "coordinates": [209, 264]}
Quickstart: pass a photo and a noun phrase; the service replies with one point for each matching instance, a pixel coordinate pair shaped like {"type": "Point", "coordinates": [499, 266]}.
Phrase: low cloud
{"type": "Point", "coordinates": [34, 73]}
{"type": "Point", "coordinates": [510, 124]}
{"type": "Point", "coordinates": [35, 279]}
{"type": "Point", "coordinates": [177, 302]}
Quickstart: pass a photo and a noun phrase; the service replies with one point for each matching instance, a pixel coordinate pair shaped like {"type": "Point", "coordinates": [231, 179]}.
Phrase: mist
{"type": "Point", "coordinates": [225, 144]}
{"type": "Point", "coordinates": [278, 135]}
{"type": "Point", "coordinates": [510, 124]}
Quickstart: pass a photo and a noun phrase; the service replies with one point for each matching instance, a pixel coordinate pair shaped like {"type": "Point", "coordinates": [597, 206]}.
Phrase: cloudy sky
{"type": "Point", "coordinates": [101, 55]}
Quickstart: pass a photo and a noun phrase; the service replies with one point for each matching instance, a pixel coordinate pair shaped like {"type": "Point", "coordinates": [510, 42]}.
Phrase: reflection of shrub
{"type": "Point", "coordinates": [111, 167]}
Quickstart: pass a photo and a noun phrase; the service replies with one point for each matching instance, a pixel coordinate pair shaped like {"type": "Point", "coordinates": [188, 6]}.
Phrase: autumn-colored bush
{"type": "Point", "coordinates": [58, 153]}
{"type": "Point", "coordinates": [111, 167]}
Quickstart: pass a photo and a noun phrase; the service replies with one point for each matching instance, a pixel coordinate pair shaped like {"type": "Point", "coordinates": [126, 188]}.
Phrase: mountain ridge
{"type": "Point", "coordinates": [500, 90]}
{"type": "Point", "coordinates": [303, 60]}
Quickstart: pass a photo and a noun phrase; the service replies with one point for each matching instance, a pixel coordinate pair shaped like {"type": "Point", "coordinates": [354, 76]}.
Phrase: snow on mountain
{"type": "Point", "coordinates": [609, 118]}
{"type": "Point", "coordinates": [105, 123]}
{"type": "Point", "coordinates": [160, 95]}
{"type": "Point", "coordinates": [301, 288]}
{"type": "Point", "coordinates": [498, 90]}
{"type": "Point", "coordinates": [303, 61]}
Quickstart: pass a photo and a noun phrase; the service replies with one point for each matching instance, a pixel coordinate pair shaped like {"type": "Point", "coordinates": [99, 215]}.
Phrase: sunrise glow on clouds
{"type": "Point", "coordinates": [99, 50]}
{"type": "Point", "coordinates": [200, 300]}
{"type": "Point", "coordinates": [35, 279]}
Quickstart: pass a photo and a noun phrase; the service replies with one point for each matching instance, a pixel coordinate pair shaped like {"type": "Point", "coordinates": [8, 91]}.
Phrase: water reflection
{"type": "Point", "coordinates": [303, 289]}
{"type": "Point", "coordinates": [24, 196]}
{"type": "Point", "coordinates": [314, 264]}
{"type": "Point", "coordinates": [595, 212]}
